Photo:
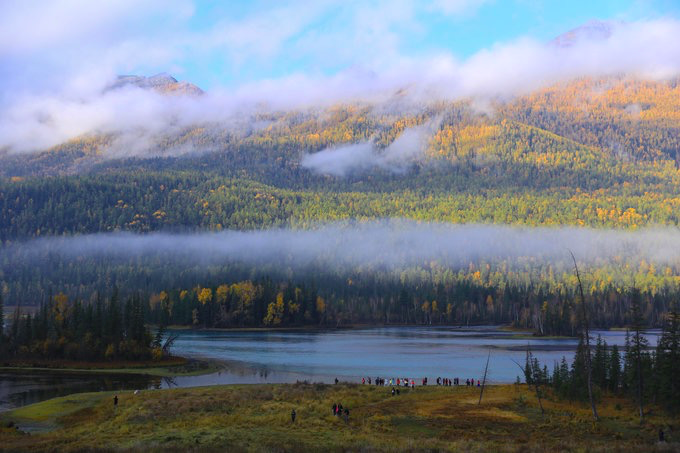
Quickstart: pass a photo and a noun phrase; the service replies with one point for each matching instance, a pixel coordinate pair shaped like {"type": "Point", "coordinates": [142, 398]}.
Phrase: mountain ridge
{"type": "Point", "coordinates": [624, 118]}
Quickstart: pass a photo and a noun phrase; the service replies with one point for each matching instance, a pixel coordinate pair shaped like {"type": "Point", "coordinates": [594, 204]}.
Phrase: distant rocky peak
{"type": "Point", "coordinates": [163, 83]}
{"type": "Point", "coordinates": [594, 30]}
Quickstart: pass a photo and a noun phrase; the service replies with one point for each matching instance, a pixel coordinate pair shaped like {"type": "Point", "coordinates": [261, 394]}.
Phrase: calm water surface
{"type": "Point", "coordinates": [386, 352]}
{"type": "Point", "coordinates": [321, 356]}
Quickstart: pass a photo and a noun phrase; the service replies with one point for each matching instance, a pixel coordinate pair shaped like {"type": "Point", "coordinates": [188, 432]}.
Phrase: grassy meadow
{"type": "Point", "coordinates": [258, 418]}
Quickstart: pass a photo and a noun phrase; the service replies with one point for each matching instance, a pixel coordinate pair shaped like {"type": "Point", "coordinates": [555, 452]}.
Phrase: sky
{"type": "Point", "coordinates": [342, 35]}
{"type": "Point", "coordinates": [57, 57]}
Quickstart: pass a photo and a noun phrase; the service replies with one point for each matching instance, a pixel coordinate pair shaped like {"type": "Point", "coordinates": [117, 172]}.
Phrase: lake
{"type": "Point", "coordinates": [321, 356]}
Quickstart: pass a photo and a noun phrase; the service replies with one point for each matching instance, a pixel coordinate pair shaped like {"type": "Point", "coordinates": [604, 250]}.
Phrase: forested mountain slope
{"type": "Point", "coordinates": [599, 153]}
{"type": "Point", "coordinates": [593, 152]}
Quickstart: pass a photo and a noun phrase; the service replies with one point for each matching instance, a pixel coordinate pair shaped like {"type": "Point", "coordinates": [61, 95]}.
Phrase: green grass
{"type": "Point", "coordinates": [45, 416]}
{"type": "Point", "coordinates": [257, 418]}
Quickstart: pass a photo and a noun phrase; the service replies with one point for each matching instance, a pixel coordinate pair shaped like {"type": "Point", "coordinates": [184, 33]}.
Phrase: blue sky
{"type": "Point", "coordinates": [466, 27]}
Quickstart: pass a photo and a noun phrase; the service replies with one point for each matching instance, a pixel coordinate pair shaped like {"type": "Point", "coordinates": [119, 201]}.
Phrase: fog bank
{"type": "Point", "coordinates": [386, 244]}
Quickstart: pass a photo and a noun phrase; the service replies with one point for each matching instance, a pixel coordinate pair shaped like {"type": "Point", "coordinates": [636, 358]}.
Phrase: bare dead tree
{"type": "Point", "coordinates": [486, 369]}
{"type": "Point", "coordinates": [168, 343]}
{"type": "Point", "coordinates": [585, 331]}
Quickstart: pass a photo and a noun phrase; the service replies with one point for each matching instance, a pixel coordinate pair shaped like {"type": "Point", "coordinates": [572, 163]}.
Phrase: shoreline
{"type": "Point", "coordinates": [181, 366]}
{"type": "Point", "coordinates": [308, 328]}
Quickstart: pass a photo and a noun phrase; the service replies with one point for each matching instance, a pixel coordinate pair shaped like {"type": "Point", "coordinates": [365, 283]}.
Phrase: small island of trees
{"type": "Point", "coordinates": [107, 329]}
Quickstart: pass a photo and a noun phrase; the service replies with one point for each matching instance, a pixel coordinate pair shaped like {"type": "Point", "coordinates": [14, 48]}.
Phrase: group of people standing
{"type": "Point", "coordinates": [339, 411]}
{"type": "Point", "coordinates": [406, 382]}
{"type": "Point", "coordinates": [456, 381]}
{"type": "Point", "coordinates": [446, 382]}
{"type": "Point", "coordinates": [399, 382]}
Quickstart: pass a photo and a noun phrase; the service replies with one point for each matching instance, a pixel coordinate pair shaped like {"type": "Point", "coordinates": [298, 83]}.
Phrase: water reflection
{"type": "Point", "coordinates": [18, 388]}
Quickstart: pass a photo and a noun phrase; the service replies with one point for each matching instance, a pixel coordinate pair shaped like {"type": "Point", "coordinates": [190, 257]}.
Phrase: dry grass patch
{"type": "Point", "coordinates": [257, 418]}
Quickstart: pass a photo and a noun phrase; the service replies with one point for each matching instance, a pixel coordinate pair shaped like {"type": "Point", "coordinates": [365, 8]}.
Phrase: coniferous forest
{"type": "Point", "coordinates": [643, 372]}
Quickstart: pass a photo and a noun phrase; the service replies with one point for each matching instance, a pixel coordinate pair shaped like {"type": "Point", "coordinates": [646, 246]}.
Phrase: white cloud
{"type": "Point", "coordinates": [342, 160]}
{"type": "Point", "coordinates": [640, 49]}
{"type": "Point", "coordinates": [257, 37]}
{"type": "Point", "coordinates": [407, 148]}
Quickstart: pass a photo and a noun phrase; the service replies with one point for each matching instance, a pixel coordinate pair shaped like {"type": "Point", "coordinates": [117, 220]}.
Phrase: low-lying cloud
{"type": "Point", "coordinates": [376, 245]}
{"type": "Point", "coordinates": [407, 148]}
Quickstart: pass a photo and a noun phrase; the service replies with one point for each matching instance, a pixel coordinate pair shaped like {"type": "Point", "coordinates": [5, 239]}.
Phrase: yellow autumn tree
{"type": "Point", "coordinates": [205, 296]}
{"type": "Point", "coordinates": [166, 303]}
{"type": "Point", "coordinates": [320, 305]}
{"type": "Point", "coordinates": [60, 306]}
{"type": "Point", "coordinates": [245, 292]}
{"type": "Point", "coordinates": [221, 294]}
{"type": "Point", "coordinates": [275, 311]}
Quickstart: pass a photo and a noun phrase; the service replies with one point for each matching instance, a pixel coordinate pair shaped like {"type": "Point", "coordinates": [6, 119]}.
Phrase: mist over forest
{"type": "Point", "coordinates": [381, 245]}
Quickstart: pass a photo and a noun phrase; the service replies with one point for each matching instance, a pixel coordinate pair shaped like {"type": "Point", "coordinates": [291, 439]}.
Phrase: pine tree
{"type": "Point", "coordinates": [578, 385]}
{"type": "Point", "coordinates": [14, 332]}
{"type": "Point", "coordinates": [614, 373]}
{"type": "Point", "coordinates": [528, 372]}
{"type": "Point", "coordinates": [668, 362]}
{"type": "Point", "coordinates": [535, 376]}
{"type": "Point", "coordinates": [112, 320]}
{"type": "Point", "coordinates": [26, 330]}
{"type": "Point", "coordinates": [556, 380]}
{"type": "Point", "coordinates": [628, 375]}
{"type": "Point", "coordinates": [600, 363]}
{"type": "Point", "coordinates": [638, 347]}
{"type": "Point", "coordinates": [565, 382]}
{"type": "Point", "coordinates": [158, 338]}
{"type": "Point", "coordinates": [2, 318]}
